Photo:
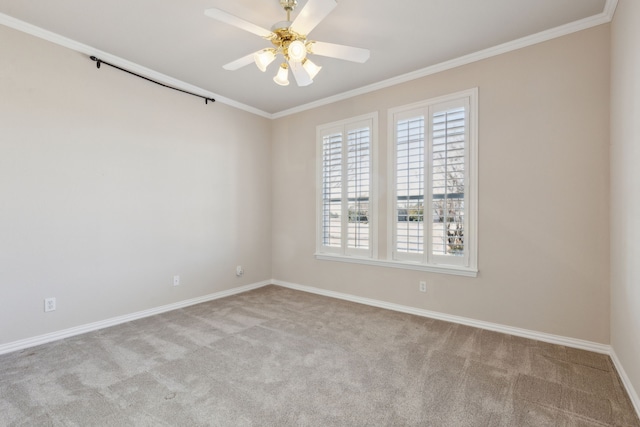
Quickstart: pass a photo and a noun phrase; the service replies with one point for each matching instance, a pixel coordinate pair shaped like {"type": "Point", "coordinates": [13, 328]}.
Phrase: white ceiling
{"type": "Point", "coordinates": [174, 41]}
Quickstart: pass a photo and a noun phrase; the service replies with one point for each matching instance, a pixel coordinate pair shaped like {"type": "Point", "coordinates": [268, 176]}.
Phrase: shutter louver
{"type": "Point", "coordinates": [332, 190]}
{"type": "Point", "coordinates": [448, 182]}
{"type": "Point", "coordinates": [345, 153]}
{"type": "Point", "coordinates": [409, 209]}
{"type": "Point", "coordinates": [358, 173]}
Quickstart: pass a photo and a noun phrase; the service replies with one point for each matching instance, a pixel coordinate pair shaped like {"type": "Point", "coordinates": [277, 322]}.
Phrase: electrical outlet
{"type": "Point", "coordinates": [49, 304]}
{"type": "Point", "coordinates": [423, 286]}
{"type": "Point", "coordinates": [176, 280]}
{"type": "Point", "coordinates": [239, 271]}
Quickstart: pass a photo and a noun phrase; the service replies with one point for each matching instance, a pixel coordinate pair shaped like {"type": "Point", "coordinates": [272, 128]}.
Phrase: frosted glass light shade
{"type": "Point", "coordinates": [297, 51]}
{"type": "Point", "coordinates": [282, 78]}
{"type": "Point", "coordinates": [311, 68]}
{"type": "Point", "coordinates": [264, 58]}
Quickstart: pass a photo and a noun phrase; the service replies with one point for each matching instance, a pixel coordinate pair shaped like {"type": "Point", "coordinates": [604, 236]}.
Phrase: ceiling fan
{"type": "Point", "coordinates": [290, 40]}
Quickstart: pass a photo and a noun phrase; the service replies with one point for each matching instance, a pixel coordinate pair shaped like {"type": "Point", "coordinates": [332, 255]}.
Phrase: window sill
{"type": "Point", "coordinates": [449, 269]}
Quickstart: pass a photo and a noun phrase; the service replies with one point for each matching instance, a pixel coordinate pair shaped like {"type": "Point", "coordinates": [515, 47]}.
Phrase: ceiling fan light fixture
{"type": "Point", "coordinates": [311, 68]}
{"type": "Point", "coordinates": [263, 58]}
{"type": "Point", "coordinates": [289, 39]}
{"type": "Point", "coordinates": [282, 78]}
{"type": "Point", "coordinates": [297, 51]}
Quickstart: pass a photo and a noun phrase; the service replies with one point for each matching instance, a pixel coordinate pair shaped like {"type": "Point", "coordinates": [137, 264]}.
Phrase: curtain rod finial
{"type": "Point", "coordinates": [98, 62]}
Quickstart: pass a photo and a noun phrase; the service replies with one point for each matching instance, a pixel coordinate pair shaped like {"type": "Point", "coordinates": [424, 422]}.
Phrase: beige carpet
{"type": "Point", "coordinates": [277, 357]}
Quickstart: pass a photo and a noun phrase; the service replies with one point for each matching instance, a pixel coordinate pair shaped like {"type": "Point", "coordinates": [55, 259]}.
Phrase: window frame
{"type": "Point", "coordinates": [343, 127]}
{"type": "Point", "coordinates": [427, 261]}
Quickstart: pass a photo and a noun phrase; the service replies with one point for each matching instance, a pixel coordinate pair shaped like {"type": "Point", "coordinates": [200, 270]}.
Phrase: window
{"type": "Point", "coordinates": [346, 209]}
{"type": "Point", "coordinates": [431, 180]}
{"type": "Point", "coordinates": [433, 156]}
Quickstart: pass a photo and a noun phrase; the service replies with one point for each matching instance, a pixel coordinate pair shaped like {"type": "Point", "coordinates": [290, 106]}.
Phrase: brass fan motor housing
{"type": "Point", "coordinates": [284, 37]}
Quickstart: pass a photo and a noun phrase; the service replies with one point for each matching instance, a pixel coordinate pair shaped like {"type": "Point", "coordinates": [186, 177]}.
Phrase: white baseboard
{"type": "Point", "coordinates": [89, 327]}
{"type": "Point", "coordinates": [525, 333]}
{"type": "Point", "coordinates": [633, 395]}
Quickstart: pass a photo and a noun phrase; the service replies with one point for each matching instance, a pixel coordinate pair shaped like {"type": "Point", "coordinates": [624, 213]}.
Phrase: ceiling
{"type": "Point", "coordinates": [173, 41]}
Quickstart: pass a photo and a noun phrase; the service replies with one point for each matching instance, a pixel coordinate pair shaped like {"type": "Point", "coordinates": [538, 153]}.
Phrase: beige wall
{"type": "Point", "coordinates": [543, 198]}
{"type": "Point", "coordinates": [625, 184]}
{"type": "Point", "coordinates": [111, 185]}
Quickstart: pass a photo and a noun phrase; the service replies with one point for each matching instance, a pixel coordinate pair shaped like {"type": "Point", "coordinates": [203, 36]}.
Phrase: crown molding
{"type": "Point", "coordinates": [610, 8]}
{"type": "Point", "coordinates": [583, 24]}
{"type": "Point", "coordinates": [52, 37]}
{"type": "Point", "coordinates": [563, 30]}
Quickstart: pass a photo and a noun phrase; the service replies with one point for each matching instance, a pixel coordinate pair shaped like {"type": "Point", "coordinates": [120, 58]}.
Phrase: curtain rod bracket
{"type": "Point", "coordinates": [100, 62]}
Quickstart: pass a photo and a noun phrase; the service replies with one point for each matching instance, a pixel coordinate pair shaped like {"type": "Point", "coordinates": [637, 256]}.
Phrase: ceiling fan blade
{"type": "Point", "coordinates": [239, 63]}
{"type": "Point", "coordinates": [300, 74]}
{"type": "Point", "coordinates": [339, 51]}
{"type": "Point", "coordinates": [311, 15]}
{"type": "Point", "coordinates": [227, 18]}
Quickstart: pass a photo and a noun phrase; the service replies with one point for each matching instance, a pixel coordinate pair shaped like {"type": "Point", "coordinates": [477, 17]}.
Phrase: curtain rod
{"type": "Point", "coordinates": [100, 61]}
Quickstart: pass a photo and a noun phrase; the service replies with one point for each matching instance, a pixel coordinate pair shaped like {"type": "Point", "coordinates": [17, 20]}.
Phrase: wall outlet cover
{"type": "Point", "coordinates": [49, 304]}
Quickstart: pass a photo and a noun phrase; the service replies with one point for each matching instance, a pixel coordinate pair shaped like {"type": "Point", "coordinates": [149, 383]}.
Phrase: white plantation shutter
{"type": "Point", "coordinates": [432, 173]}
{"type": "Point", "coordinates": [358, 187]}
{"type": "Point", "coordinates": [449, 132]}
{"type": "Point", "coordinates": [409, 206]}
{"type": "Point", "coordinates": [432, 195]}
{"type": "Point", "coordinates": [332, 190]}
{"type": "Point", "coordinates": [345, 173]}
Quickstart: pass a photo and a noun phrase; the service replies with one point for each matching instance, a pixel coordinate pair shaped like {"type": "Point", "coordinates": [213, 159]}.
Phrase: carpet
{"type": "Point", "coordinates": [279, 357]}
